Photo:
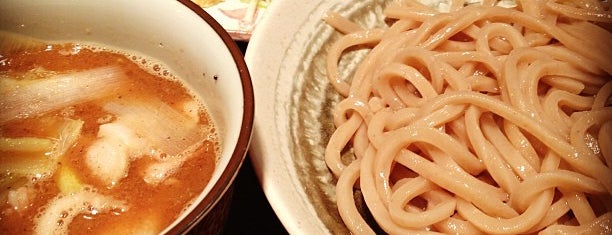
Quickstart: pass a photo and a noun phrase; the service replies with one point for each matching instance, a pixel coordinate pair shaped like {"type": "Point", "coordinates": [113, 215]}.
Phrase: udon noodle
{"type": "Point", "coordinates": [478, 119]}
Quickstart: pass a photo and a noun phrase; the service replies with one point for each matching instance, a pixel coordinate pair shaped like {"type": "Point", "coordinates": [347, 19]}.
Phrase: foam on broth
{"type": "Point", "coordinates": [150, 207]}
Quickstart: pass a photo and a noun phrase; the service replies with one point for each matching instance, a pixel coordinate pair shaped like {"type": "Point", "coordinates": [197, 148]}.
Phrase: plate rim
{"type": "Point", "coordinates": [280, 183]}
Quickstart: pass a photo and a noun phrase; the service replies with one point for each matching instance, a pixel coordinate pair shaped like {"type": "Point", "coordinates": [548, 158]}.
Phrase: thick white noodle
{"type": "Point", "coordinates": [479, 120]}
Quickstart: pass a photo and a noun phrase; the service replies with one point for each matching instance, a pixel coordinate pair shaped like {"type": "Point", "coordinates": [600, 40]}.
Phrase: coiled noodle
{"type": "Point", "coordinates": [478, 120]}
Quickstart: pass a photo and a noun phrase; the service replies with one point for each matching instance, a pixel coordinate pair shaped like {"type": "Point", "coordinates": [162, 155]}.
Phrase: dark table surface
{"type": "Point", "coordinates": [250, 212]}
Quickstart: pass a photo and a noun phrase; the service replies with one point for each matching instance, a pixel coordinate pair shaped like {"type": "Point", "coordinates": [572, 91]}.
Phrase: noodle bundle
{"type": "Point", "coordinates": [478, 119]}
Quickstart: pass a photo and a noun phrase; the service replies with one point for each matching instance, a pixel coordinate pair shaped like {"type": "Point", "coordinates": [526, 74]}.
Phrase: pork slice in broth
{"type": "Point", "coordinates": [60, 212]}
{"type": "Point", "coordinates": [109, 156]}
{"type": "Point", "coordinates": [171, 135]}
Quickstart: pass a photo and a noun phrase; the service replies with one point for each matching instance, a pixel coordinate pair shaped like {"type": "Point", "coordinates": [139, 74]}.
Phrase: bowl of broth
{"type": "Point", "coordinates": [118, 117]}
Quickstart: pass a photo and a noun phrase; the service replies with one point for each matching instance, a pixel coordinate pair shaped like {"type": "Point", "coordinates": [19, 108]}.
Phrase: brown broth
{"type": "Point", "coordinates": [149, 205]}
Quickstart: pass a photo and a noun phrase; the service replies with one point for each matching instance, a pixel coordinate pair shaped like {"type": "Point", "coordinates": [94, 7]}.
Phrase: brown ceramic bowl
{"type": "Point", "coordinates": [185, 38]}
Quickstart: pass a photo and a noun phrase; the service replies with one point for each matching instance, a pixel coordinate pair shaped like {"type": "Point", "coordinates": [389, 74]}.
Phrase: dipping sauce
{"type": "Point", "coordinates": [97, 141]}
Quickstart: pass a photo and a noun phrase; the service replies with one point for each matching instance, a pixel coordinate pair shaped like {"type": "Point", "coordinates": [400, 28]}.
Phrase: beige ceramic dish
{"type": "Point", "coordinates": [293, 119]}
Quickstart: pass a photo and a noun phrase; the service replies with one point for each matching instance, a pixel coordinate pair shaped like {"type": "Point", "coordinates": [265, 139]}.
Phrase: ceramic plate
{"type": "Point", "coordinates": [294, 102]}
{"type": "Point", "coordinates": [238, 17]}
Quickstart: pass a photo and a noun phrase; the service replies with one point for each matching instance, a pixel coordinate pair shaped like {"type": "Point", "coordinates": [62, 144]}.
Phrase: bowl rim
{"type": "Point", "coordinates": [239, 153]}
